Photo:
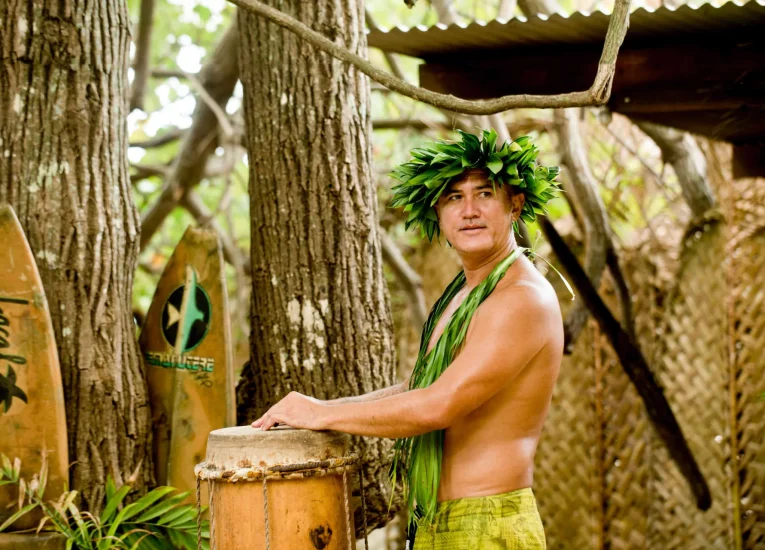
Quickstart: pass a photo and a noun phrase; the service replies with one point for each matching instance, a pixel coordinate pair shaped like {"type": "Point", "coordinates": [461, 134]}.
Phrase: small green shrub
{"type": "Point", "coordinates": [156, 521]}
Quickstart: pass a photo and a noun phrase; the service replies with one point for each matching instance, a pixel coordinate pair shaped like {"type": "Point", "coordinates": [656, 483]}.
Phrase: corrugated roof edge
{"type": "Point", "coordinates": [563, 16]}
{"type": "Point", "coordinates": [577, 27]}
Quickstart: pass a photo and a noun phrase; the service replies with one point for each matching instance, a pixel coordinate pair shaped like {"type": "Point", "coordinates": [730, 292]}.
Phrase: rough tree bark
{"type": "Point", "coordinates": [63, 167]}
{"type": "Point", "coordinates": [321, 321]}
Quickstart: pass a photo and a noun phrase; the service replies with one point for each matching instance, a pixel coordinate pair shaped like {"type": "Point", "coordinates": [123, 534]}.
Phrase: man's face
{"type": "Point", "coordinates": [475, 217]}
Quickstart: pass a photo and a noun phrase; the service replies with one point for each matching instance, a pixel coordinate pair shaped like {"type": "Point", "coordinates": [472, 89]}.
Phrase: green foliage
{"type": "Point", "coordinates": [425, 177]}
{"type": "Point", "coordinates": [156, 521]}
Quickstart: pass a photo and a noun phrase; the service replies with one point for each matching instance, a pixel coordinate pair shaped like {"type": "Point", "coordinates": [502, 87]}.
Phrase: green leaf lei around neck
{"type": "Point", "coordinates": [418, 459]}
{"type": "Point", "coordinates": [425, 177]}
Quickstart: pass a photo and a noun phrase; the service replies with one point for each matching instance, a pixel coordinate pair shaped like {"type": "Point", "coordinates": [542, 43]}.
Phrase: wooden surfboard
{"type": "Point", "coordinates": [187, 349]}
{"type": "Point", "coordinates": [32, 413]}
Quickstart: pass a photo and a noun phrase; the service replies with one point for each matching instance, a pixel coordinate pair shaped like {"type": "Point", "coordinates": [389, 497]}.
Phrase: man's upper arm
{"type": "Point", "coordinates": [506, 335]}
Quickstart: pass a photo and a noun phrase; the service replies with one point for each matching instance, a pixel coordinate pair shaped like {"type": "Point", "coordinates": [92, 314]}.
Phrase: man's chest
{"type": "Point", "coordinates": [446, 317]}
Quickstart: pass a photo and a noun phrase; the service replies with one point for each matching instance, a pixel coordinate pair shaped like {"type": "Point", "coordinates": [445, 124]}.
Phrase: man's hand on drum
{"type": "Point", "coordinates": [295, 410]}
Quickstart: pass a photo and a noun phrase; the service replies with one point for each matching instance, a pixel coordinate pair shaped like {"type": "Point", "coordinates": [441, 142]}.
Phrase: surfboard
{"type": "Point", "coordinates": [32, 412]}
{"type": "Point", "coordinates": [186, 345]}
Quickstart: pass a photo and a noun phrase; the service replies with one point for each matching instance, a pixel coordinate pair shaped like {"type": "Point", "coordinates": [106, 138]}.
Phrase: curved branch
{"type": "Point", "coordinates": [220, 114]}
{"type": "Point", "coordinates": [681, 151]}
{"type": "Point", "coordinates": [158, 141]}
{"type": "Point", "coordinates": [597, 94]}
{"type": "Point", "coordinates": [581, 189]}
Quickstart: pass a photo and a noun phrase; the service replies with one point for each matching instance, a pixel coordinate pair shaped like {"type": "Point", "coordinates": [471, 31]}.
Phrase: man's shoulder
{"type": "Point", "coordinates": [528, 296]}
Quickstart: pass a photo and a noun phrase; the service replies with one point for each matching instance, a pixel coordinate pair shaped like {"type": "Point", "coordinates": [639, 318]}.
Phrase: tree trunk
{"type": "Point", "coordinates": [321, 321]}
{"type": "Point", "coordinates": [63, 167]}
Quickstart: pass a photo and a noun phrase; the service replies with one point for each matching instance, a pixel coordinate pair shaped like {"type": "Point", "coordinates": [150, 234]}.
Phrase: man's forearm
{"type": "Point", "coordinates": [405, 414]}
{"type": "Point", "coordinates": [371, 396]}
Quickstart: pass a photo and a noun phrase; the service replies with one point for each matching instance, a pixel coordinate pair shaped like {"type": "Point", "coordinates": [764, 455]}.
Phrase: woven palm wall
{"type": "Point", "coordinates": [603, 478]}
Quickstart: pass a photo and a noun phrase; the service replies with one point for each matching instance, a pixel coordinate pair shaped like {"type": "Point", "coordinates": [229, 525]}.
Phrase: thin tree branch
{"type": "Point", "coordinates": [220, 114]}
{"type": "Point", "coordinates": [582, 191]}
{"type": "Point", "coordinates": [499, 125]}
{"type": "Point", "coordinates": [636, 368]}
{"type": "Point", "coordinates": [169, 73]}
{"type": "Point", "coordinates": [218, 77]}
{"type": "Point", "coordinates": [681, 151]}
{"type": "Point", "coordinates": [158, 141]}
{"type": "Point", "coordinates": [142, 54]}
{"type": "Point", "coordinates": [622, 291]}
{"type": "Point", "coordinates": [215, 166]}
{"type": "Point", "coordinates": [389, 57]}
{"type": "Point", "coordinates": [407, 276]}
{"type": "Point", "coordinates": [205, 217]}
{"type": "Point", "coordinates": [597, 94]}
{"type": "Point", "coordinates": [143, 171]}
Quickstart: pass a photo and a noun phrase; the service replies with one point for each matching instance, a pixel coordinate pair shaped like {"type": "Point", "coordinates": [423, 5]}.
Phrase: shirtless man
{"type": "Point", "coordinates": [492, 399]}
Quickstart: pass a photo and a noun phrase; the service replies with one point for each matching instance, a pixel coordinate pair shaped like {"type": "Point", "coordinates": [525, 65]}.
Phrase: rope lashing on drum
{"type": "Point", "coordinates": [265, 513]}
{"type": "Point", "coordinates": [314, 468]}
{"type": "Point", "coordinates": [345, 506]}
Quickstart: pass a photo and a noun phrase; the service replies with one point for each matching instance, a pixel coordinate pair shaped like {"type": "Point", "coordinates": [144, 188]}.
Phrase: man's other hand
{"type": "Point", "coordinates": [295, 410]}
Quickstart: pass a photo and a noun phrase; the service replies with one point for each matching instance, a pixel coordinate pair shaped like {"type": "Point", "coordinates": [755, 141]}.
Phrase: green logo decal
{"type": "Point", "coordinates": [186, 315]}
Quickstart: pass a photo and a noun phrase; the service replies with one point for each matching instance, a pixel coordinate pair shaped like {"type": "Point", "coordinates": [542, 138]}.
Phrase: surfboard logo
{"type": "Point", "coordinates": [186, 315]}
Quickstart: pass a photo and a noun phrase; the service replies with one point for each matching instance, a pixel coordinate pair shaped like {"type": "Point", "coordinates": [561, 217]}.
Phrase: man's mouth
{"type": "Point", "coordinates": [472, 228]}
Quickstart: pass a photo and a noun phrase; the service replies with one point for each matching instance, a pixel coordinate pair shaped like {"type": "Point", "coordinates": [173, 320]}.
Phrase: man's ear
{"type": "Point", "coordinates": [517, 201]}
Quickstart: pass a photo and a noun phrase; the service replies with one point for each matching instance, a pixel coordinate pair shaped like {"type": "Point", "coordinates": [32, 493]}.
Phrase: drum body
{"type": "Point", "coordinates": [306, 494]}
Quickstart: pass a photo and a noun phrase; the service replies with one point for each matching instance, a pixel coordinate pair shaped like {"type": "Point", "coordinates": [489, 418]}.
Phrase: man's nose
{"type": "Point", "coordinates": [469, 208]}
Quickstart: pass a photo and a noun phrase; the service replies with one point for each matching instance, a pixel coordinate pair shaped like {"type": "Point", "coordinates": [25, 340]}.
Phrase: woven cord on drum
{"type": "Point", "coordinates": [363, 508]}
{"type": "Point", "coordinates": [348, 518]}
{"type": "Point", "coordinates": [199, 515]}
{"type": "Point", "coordinates": [265, 511]}
{"type": "Point", "coordinates": [210, 491]}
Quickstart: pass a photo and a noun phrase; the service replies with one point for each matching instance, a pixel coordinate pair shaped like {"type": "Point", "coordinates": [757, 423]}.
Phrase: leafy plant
{"type": "Point", "coordinates": [156, 521]}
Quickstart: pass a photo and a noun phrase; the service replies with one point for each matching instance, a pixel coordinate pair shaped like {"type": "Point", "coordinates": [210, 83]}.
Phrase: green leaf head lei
{"type": "Point", "coordinates": [431, 169]}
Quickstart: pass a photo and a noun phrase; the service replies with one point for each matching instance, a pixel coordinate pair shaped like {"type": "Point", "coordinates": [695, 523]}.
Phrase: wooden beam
{"type": "Point", "coordinates": [749, 161]}
{"type": "Point", "coordinates": [716, 89]}
{"type": "Point", "coordinates": [699, 69]}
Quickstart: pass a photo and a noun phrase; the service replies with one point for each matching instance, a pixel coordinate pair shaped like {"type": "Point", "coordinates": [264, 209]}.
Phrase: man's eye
{"type": "Point", "coordinates": [453, 197]}
{"type": "Point", "coordinates": [485, 194]}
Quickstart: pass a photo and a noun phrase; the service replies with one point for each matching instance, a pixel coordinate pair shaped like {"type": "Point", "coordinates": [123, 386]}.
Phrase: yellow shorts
{"type": "Point", "coordinates": [507, 521]}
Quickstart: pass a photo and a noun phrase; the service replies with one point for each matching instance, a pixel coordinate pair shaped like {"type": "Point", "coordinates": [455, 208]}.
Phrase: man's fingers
{"type": "Point", "coordinates": [269, 423]}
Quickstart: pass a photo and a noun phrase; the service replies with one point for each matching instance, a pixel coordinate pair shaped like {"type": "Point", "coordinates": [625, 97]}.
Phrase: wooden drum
{"type": "Point", "coordinates": [281, 489]}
